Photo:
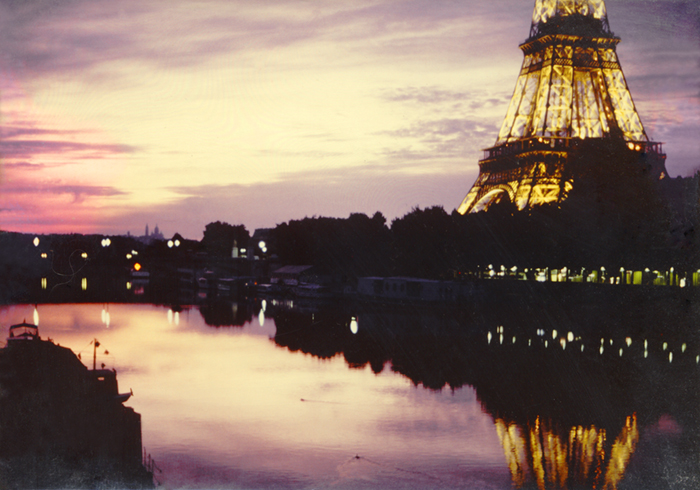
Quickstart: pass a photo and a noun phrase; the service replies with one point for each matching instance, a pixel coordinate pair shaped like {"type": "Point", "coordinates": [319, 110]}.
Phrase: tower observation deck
{"type": "Point", "coordinates": [571, 110]}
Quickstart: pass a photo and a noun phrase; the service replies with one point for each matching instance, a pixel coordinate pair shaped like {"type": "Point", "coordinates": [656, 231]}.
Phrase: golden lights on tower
{"type": "Point", "coordinates": [545, 9]}
{"type": "Point", "coordinates": [570, 90]}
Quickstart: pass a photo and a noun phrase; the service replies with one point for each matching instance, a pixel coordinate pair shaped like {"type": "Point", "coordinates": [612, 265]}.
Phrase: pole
{"type": "Point", "coordinates": [94, 354]}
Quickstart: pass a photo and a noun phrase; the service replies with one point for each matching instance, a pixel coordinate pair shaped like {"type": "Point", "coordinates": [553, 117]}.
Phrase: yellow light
{"type": "Point", "coordinates": [84, 255]}
{"type": "Point", "coordinates": [36, 241]}
{"type": "Point", "coordinates": [137, 266]}
{"type": "Point", "coordinates": [83, 284]}
{"type": "Point", "coordinates": [630, 146]}
{"type": "Point", "coordinates": [43, 256]}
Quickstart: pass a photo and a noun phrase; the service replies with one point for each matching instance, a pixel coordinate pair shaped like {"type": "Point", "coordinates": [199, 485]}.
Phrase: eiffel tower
{"type": "Point", "coordinates": [571, 111]}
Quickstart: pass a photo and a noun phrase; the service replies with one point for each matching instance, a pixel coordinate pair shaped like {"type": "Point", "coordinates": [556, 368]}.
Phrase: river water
{"type": "Point", "coordinates": [273, 394]}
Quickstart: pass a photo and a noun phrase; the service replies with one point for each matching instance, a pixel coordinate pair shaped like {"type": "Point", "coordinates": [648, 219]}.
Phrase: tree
{"type": "Point", "coordinates": [219, 237]}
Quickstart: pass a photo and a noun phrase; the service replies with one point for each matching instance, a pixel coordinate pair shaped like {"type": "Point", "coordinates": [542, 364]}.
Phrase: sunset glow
{"type": "Point", "coordinates": [119, 114]}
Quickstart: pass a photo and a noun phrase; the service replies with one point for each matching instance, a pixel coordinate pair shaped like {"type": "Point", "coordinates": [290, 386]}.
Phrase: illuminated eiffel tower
{"type": "Point", "coordinates": [571, 111]}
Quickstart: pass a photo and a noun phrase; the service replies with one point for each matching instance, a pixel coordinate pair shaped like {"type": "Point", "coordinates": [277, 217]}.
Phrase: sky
{"type": "Point", "coordinates": [115, 114]}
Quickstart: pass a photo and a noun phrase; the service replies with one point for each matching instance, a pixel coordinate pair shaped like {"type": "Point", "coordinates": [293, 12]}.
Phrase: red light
{"type": "Point", "coordinates": [137, 266]}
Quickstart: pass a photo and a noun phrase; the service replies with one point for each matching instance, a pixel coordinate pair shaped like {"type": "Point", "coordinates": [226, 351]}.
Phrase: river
{"type": "Point", "coordinates": [273, 394]}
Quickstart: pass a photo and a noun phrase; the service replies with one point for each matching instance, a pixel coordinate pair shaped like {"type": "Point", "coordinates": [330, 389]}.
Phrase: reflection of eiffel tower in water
{"type": "Point", "coordinates": [571, 106]}
{"type": "Point", "coordinates": [583, 458]}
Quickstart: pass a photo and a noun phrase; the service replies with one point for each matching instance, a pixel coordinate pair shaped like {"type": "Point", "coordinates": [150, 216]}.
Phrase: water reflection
{"type": "Point", "coordinates": [566, 417]}
{"type": "Point", "coordinates": [226, 313]}
{"type": "Point", "coordinates": [583, 458]}
{"type": "Point", "coordinates": [432, 398]}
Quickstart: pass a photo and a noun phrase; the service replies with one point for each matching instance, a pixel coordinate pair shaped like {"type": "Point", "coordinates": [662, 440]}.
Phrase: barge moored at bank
{"type": "Point", "coordinates": [63, 425]}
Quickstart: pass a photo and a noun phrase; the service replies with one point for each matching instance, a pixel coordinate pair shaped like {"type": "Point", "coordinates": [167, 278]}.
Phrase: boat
{"type": "Point", "coordinates": [23, 331]}
{"type": "Point", "coordinates": [69, 426]}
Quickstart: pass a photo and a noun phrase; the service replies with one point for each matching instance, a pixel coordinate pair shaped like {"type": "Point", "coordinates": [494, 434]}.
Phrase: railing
{"type": "Point", "coordinates": [150, 464]}
{"type": "Point", "coordinates": [556, 143]}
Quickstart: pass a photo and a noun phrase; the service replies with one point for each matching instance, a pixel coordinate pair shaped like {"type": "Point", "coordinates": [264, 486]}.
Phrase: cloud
{"type": "Point", "coordinates": [424, 95]}
{"type": "Point", "coordinates": [79, 192]}
{"type": "Point", "coordinates": [439, 140]}
{"type": "Point", "coordinates": [15, 131]}
{"type": "Point", "coordinates": [29, 148]}
{"type": "Point", "coordinates": [23, 166]}
{"type": "Point", "coordinates": [80, 36]}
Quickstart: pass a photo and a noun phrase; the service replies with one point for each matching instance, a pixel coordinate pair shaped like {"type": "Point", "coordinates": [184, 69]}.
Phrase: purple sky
{"type": "Point", "coordinates": [118, 114]}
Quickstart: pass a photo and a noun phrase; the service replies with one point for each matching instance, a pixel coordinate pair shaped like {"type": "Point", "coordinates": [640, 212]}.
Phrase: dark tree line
{"type": "Point", "coordinates": [625, 222]}
{"type": "Point", "coordinates": [614, 217]}
{"type": "Point", "coordinates": [356, 246]}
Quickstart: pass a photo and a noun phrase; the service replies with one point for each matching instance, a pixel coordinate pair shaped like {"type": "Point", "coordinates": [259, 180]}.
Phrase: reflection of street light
{"type": "Point", "coordinates": [353, 325]}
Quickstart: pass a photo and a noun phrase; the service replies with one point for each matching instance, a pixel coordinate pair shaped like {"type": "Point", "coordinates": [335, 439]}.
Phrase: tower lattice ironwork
{"type": "Point", "coordinates": [570, 104]}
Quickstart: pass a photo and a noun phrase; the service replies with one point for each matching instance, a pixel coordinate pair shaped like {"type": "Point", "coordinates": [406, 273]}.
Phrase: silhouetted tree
{"type": "Point", "coordinates": [219, 237]}
{"type": "Point", "coordinates": [352, 247]}
{"type": "Point", "coordinates": [423, 243]}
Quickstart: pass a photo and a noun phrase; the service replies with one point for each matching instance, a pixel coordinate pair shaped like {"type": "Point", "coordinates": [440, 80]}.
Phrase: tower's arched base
{"type": "Point", "coordinates": [539, 171]}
